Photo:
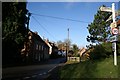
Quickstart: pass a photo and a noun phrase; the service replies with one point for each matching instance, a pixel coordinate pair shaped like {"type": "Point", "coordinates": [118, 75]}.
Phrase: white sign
{"type": "Point", "coordinates": [107, 9]}
{"type": "Point", "coordinates": [113, 25]}
{"type": "Point", "coordinates": [115, 31]}
{"type": "Point", "coordinates": [113, 46]}
{"type": "Point", "coordinates": [114, 38]}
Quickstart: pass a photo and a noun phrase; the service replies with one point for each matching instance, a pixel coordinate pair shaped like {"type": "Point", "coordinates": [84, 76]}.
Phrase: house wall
{"type": "Point", "coordinates": [36, 50]}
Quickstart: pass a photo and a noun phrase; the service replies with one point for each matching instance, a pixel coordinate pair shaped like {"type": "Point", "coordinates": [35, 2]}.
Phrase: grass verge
{"type": "Point", "coordinates": [91, 69]}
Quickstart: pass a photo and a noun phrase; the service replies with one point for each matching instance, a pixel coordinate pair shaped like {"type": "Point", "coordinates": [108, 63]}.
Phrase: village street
{"type": "Point", "coordinates": [32, 72]}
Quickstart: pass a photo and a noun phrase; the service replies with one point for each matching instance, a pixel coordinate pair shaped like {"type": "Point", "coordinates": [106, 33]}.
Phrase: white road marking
{"type": "Point", "coordinates": [40, 74]}
{"type": "Point", "coordinates": [44, 73]}
{"type": "Point", "coordinates": [34, 75]}
{"type": "Point", "coordinates": [52, 69]}
{"type": "Point", "coordinates": [26, 77]}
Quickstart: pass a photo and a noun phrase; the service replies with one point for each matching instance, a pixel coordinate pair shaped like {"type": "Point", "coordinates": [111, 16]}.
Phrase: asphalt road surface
{"type": "Point", "coordinates": [32, 72]}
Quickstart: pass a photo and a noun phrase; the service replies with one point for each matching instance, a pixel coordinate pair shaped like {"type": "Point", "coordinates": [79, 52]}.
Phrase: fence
{"type": "Point", "coordinates": [73, 59]}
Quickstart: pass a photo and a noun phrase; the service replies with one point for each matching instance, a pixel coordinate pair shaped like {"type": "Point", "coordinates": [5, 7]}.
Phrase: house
{"type": "Point", "coordinates": [54, 53]}
{"type": "Point", "coordinates": [50, 47]}
{"type": "Point", "coordinates": [84, 54]}
{"type": "Point", "coordinates": [35, 49]}
{"type": "Point", "coordinates": [81, 51]}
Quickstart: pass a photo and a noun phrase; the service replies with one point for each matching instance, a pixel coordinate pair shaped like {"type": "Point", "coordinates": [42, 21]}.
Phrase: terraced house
{"type": "Point", "coordinates": [35, 49]}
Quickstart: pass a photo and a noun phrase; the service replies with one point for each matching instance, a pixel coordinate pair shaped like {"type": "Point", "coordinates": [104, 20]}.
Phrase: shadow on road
{"type": "Point", "coordinates": [13, 73]}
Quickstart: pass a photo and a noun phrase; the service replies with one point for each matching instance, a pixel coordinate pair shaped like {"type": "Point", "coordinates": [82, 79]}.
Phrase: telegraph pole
{"type": "Point", "coordinates": [68, 39]}
{"type": "Point", "coordinates": [67, 45]}
{"type": "Point", "coordinates": [29, 14]}
{"type": "Point", "coordinates": [26, 51]}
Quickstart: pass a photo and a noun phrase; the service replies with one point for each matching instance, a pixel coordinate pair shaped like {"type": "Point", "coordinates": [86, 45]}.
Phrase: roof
{"type": "Point", "coordinates": [35, 34]}
{"type": "Point", "coordinates": [118, 22]}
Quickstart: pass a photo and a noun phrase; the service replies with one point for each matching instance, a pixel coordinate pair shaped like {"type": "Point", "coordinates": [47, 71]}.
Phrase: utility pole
{"type": "Point", "coordinates": [68, 39]}
{"type": "Point", "coordinates": [26, 51]}
{"type": "Point", "coordinates": [67, 45]}
{"type": "Point", "coordinates": [29, 14]}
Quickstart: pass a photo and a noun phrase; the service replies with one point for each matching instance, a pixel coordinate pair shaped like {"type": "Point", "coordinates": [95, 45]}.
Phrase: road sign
{"type": "Point", "coordinates": [115, 31]}
{"type": "Point", "coordinates": [117, 13]}
{"type": "Point", "coordinates": [113, 25]}
{"type": "Point", "coordinates": [107, 9]}
{"type": "Point", "coordinates": [113, 46]}
{"type": "Point", "coordinates": [114, 38]}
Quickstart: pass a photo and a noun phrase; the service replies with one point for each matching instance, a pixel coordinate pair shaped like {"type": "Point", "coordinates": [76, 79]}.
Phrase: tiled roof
{"type": "Point", "coordinates": [118, 22]}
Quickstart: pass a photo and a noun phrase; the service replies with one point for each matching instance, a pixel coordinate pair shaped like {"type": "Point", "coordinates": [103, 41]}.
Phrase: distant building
{"type": "Point", "coordinates": [54, 53]}
{"type": "Point", "coordinates": [84, 54]}
{"type": "Point", "coordinates": [82, 51]}
{"type": "Point", "coordinates": [35, 49]}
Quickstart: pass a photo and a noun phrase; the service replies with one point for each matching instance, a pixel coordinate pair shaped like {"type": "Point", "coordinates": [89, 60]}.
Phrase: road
{"type": "Point", "coordinates": [31, 72]}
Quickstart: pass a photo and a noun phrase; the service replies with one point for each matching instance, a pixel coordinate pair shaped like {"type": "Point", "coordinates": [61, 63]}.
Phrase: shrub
{"type": "Point", "coordinates": [101, 51]}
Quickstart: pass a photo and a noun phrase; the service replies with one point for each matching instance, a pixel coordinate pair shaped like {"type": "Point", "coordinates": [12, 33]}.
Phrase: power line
{"type": "Point", "coordinates": [60, 18]}
{"type": "Point", "coordinates": [43, 27]}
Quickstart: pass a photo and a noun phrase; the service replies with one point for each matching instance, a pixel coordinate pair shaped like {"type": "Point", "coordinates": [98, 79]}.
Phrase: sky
{"type": "Point", "coordinates": [56, 29]}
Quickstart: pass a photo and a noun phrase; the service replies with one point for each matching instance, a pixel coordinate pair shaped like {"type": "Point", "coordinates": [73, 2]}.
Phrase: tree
{"type": "Point", "coordinates": [99, 29]}
{"type": "Point", "coordinates": [75, 49]}
{"type": "Point", "coordinates": [68, 43]}
{"type": "Point", "coordinates": [60, 45]}
{"type": "Point", "coordinates": [13, 30]}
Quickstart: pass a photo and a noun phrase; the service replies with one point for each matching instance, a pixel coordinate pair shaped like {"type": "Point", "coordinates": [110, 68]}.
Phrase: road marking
{"type": "Point", "coordinates": [40, 74]}
{"type": "Point", "coordinates": [34, 75]}
{"type": "Point", "coordinates": [44, 73]}
{"type": "Point", "coordinates": [52, 69]}
{"type": "Point", "coordinates": [26, 77]}
{"type": "Point", "coordinates": [18, 79]}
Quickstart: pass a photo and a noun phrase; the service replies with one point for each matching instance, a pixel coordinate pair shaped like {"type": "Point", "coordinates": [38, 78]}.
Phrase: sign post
{"type": "Point", "coordinates": [115, 44]}
{"type": "Point", "coordinates": [113, 25]}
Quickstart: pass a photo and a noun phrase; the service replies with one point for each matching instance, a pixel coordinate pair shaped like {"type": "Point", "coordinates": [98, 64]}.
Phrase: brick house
{"type": "Point", "coordinates": [35, 49]}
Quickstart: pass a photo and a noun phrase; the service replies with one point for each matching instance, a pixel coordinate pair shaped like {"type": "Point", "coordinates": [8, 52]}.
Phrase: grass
{"type": "Point", "coordinates": [71, 62]}
{"type": "Point", "coordinates": [91, 69]}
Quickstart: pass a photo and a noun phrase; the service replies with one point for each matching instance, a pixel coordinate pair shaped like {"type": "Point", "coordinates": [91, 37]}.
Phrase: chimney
{"type": "Point", "coordinates": [36, 32]}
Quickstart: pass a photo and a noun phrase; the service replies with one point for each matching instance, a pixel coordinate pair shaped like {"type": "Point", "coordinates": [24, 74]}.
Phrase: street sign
{"type": "Point", "coordinates": [113, 25]}
{"type": "Point", "coordinates": [107, 9]}
{"type": "Point", "coordinates": [115, 31]}
{"type": "Point", "coordinates": [113, 46]}
{"type": "Point", "coordinates": [114, 38]}
{"type": "Point", "coordinates": [117, 13]}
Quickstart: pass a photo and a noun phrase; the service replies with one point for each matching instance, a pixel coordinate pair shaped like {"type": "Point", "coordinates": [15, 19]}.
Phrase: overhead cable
{"type": "Point", "coordinates": [44, 28]}
{"type": "Point", "coordinates": [60, 18]}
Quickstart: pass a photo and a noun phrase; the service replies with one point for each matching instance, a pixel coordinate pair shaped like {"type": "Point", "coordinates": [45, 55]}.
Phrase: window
{"type": "Point", "coordinates": [42, 47]}
{"type": "Point", "coordinates": [39, 47]}
{"type": "Point", "coordinates": [36, 46]}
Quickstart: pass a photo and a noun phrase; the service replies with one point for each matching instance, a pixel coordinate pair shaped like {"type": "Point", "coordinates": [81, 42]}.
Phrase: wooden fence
{"type": "Point", "coordinates": [73, 59]}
